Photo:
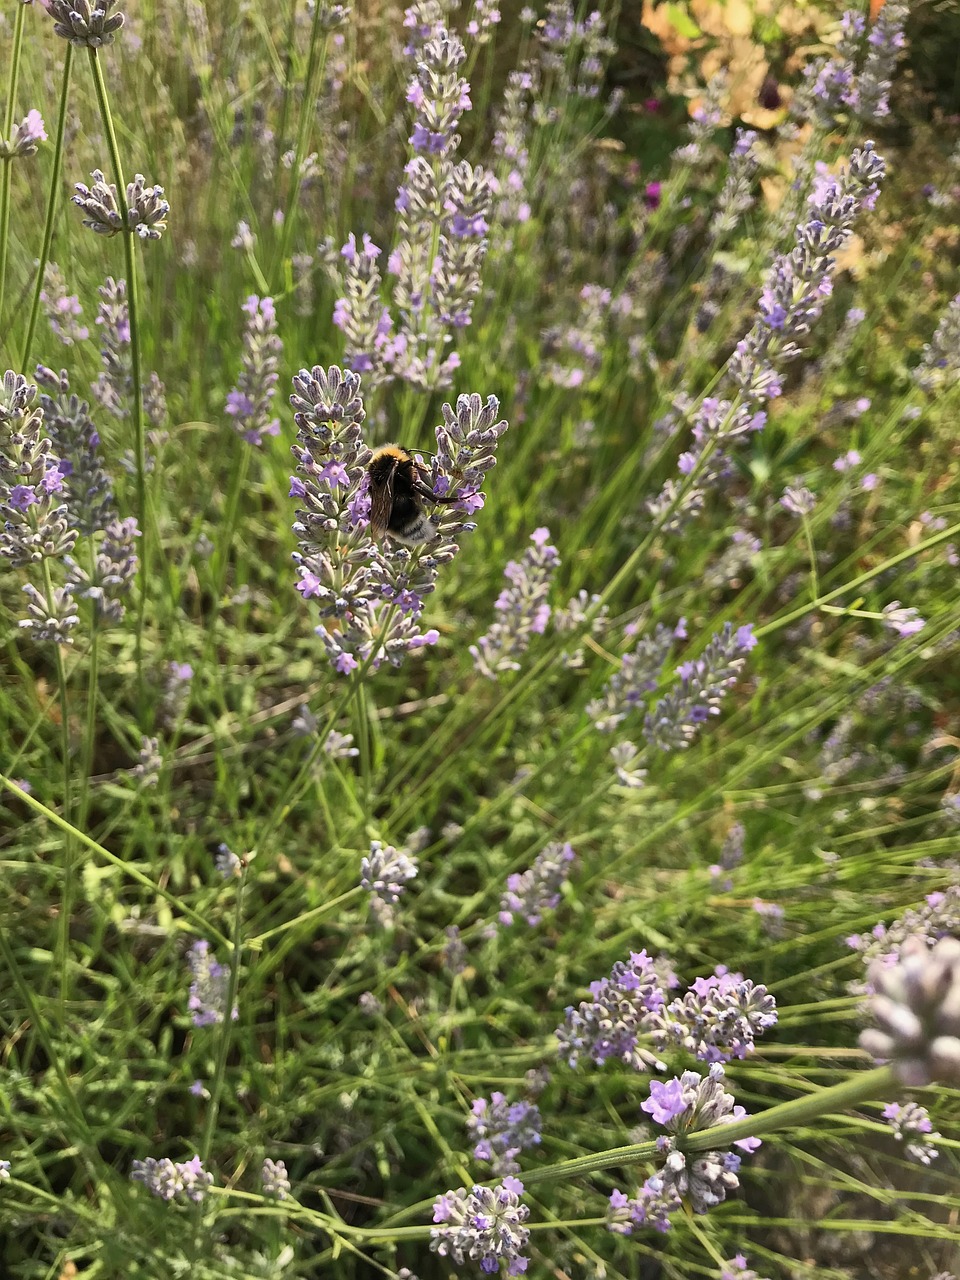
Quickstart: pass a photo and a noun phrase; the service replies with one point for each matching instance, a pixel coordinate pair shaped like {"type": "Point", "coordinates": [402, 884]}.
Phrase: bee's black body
{"type": "Point", "coordinates": [397, 493]}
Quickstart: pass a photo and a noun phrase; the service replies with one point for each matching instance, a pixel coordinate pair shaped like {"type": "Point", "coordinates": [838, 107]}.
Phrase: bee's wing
{"type": "Point", "coordinates": [381, 505]}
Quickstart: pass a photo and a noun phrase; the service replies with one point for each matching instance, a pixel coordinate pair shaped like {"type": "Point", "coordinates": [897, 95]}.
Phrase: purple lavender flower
{"type": "Point", "coordinates": [35, 521]}
{"type": "Point", "coordinates": [939, 367]}
{"type": "Point", "coordinates": [718, 1018]}
{"type": "Point", "coordinates": [652, 1206]}
{"type": "Point", "coordinates": [737, 1269]}
{"type": "Point", "coordinates": [274, 1180]}
{"type": "Point", "coordinates": [62, 309]}
{"type": "Point", "coordinates": [798, 500]}
{"type": "Point", "coordinates": [688, 1104]}
{"type": "Point", "coordinates": [793, 297]}
{"type": "Point", "coordinates": [573, 53]}
{"type": "Point", "coordinates": [87, 488]}
{"type": "Point", "coordinates": [510, 144]}
{"type": "Point", "coordinates": [917, 1008]}
{"type": "Point", "coordinates": [522, 606]}
{"type": "Point", "coordinates": [736, 197]}
{"type": "Point", "coordinates": [911, 1125]}
{"type": "Point", "coordinates": [885, 46]}
{"type": "Point", "coordinates": [376, 590]}
{"type": "Point", "coordinates": [228, 864]}
{"type": "Point", "coordinates": [248, 404]}
{"type": "Point", "coordinates": [361, 315]}
{"type": "Point", "coordinates": [111, 576]}
{"type": "Point", "coordinates": [209, 988]}
{"type": "Point", "coordinates": [485, 1225]}
{"type": "Point", "coordinates": [538, 889]}
{"type": "Point", "coordinates": [25, 139]}
{"type": "Point", "coordinates": [676, 719]}
{"type": "Point", "coordinates": [146, 208]}
{"type": "Point", "coordinates": [502, 1131]}
{"type": "Point", "coordinates": [623, 1009]}
{"type": "Point", "coordinates": [484, 15]}
{"type": "Point", "coordinates": [169, 1181]}
{"type": "Point", "coordinates": [85, 23]}
{"type": "Point", "coordinates": [639, 674]}
{"type": "Point", "coordinates": [386, 872]}
{"type": "Point", "coordinates": [905, 621]}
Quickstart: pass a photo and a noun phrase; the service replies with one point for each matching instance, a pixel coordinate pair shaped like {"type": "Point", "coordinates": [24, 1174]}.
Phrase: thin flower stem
{"type": "Point", "coordinates": [66, 894]}
{"type": "Point", "coordinates": [53, 204]}
{"type": "Point", "coordinates": [315, 63]}
{"type": "Point", "coordinates": [7, 131]}
{"type": "Point", "coordinates": [90, 729]}
{"type": "Point", "coordinates": [133, 315]}
{"type": "Point", "coordinates": [174, 900]}
{"type": "Point", "coordinates": [226, 1025]}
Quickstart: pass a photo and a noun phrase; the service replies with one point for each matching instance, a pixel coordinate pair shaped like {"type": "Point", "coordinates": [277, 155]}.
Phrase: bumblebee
{"type": "Point", "coordinates": [398, 490]}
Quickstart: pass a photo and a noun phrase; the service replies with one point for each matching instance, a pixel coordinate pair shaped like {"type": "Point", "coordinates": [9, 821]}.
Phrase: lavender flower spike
{"type": "Point", "coordinates": [502, 1131]}
{"type": "Point", "coordinates": [538, 889]}
{"type": "Point", "coordinates": [146, 209]}
{"type": "Point", "coordinates": [186, 1181]}
{"type": "Point", "coordinates": [26, 137]}
{"type": "Point", "coordinates": [376, 590]}
{"type": "Point", "coordinates": [917, 1010]}
{"type": "Point", "coordinates": [676, 719]}
{"type": "Point", "coordinates": [522, 606]}
{"type": "Point", "coordinates": [208, 991]}
{"type": "Point", "coordinates": [485, 1225]}
{"type": "Point", "coordinates": [83, 23]}
{"type": "Point", "coordinates": [248, 404]}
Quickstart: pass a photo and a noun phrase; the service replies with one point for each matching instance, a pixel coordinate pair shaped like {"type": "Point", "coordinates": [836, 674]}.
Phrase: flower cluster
{"type": "Point", "coordinates": [511, 145]}
{"type": "Point", "coordinates": [502, 1130]}
{"type": "Point", "coordinates": [736, 197]}
{"type": "Point", "coordinates": [61, 309]}
{"type": "Point", "coordinates": [639, 674]}
{"type": "Point", "coordinates": [794, 295]}
{"type": "Point", "coordinates": [574, 353]}
{"type": "Point", "coordinates": [146, 212]}
{"type": "Point", "coordinates": [25, 139]}
{"type": "Point", "coordinates": [386, 872]}
{"type": "Point", "coordinates": [169, 1181]}
{"type": "Point", "coordinates": [736, 1269]}
{"type": "Point", "coordinates": [110, 578]}
{"type": "Point", "coordinates": [938, 918]}
{"type": "Point", "coordinates": [904, 620]}
{"type": "Point", "coordinates": [523, 608]}
{"type": "Point", "coordinates": [485, 1225]}
{"type": "Point", "coordinates": [248, 404]}
{"type": "Point", "coordinates": [537, 889]}
{"type": "Point", "coordinates": [575, 53]}
{"type": "Point", "coordinates": [939, 367]}
{"type": "Point", "coordinates": [652, 1206]}
{"type": "Point", "coordinates": [374, 590]}
{"type": "Point", "coordinates": [622, 1009]}
{"type": "Point", "coordinates": [687, 1104]}
{"type": "Point", "coordinates": [675, 720]}
{"type": "Point", "coordinates": [484, 16]}
{"type": "Point", "coordinates": [631, 1014]}
{"type": "Point", "coordinates": [916, 1005]}
{"type": "Point", "coordinates": [274, 1180]}
{"type": "Point", "coordinates": [717, 1019]}
{"type": "Point", "coordinates": [83, 23]}
{"type": "Point", "coordinates": [209, 988]}
{"type": "Point", "coordinates": [911, 1125]}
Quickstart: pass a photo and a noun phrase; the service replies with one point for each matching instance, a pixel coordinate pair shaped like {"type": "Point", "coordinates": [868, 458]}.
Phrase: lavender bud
{"type": "Point", "coordinates": [385, 873]}
{"type": "Point", "coordinates": [25, 137]}
{"type": "Point", "coordinates": [163, 1178]}
{"type": "Point", "coordinates": [917, 1008]}
{"type": "Point", "coordinates": [905, 621]}
{"type": "Point", "coordinates": [209, 988]}
{"type": "Point", "coordinates": [61, 308]}
{"type": "Point", "coordinates": [83, 23]}
{"type": "Point", "coordinates": [274, 1180]}
{"type": "Point", "coordinates": [911, 1125]}
{"type": "Point", "coordinates": [652, 1206]}
{"type": "Point", "coordinates": [522, 606]}
{"type": "Point", "coordinates": [676, 719]}
{"type": "Point", "coordinates": [146, 209]}
{"type": "Point", "coordinates": [149, 763]}
{"type": "Point", "coordinates": [113, 572]}
{"type": "Point", "coordinates": [484, 1225]}
{"type": "Point", "coordinates": [248, 404]}
{"type": "Point", "coordinates": [623, 1009]}
{"type": "Point", "coordinates": [35, 521]}
{"type": "Point", "coordinates": [718, 1018]}
{"type": "Point", "coordinates": [502, 1131]}
{"type": "Point", "coordinates": [50, 620]}
{"type": "Point", "coordinates": [737, 1269]}
{"type": "Point", "coordinates": [538, 889]}
{"type": "Point", "coordinates": [87, 487]}
{"type": "Point", "coordinates": [638, 675]}
{"type": "Point", "coordinates": [798, 500]}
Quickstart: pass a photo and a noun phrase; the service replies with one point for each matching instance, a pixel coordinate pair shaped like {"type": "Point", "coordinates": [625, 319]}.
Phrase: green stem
{"type": "Point", "coordinates": [53, 203]}
{"type": "Point", "coordinates": [225, 1026]}
{"type": "Point", "coordinates": [315, 60]}
{"type": "Point", "coordinates": [63, 924]}
{"type": "Point", "coordinates": [133, 316]}
{"type": "Point", "coordinates": [7, 132]}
